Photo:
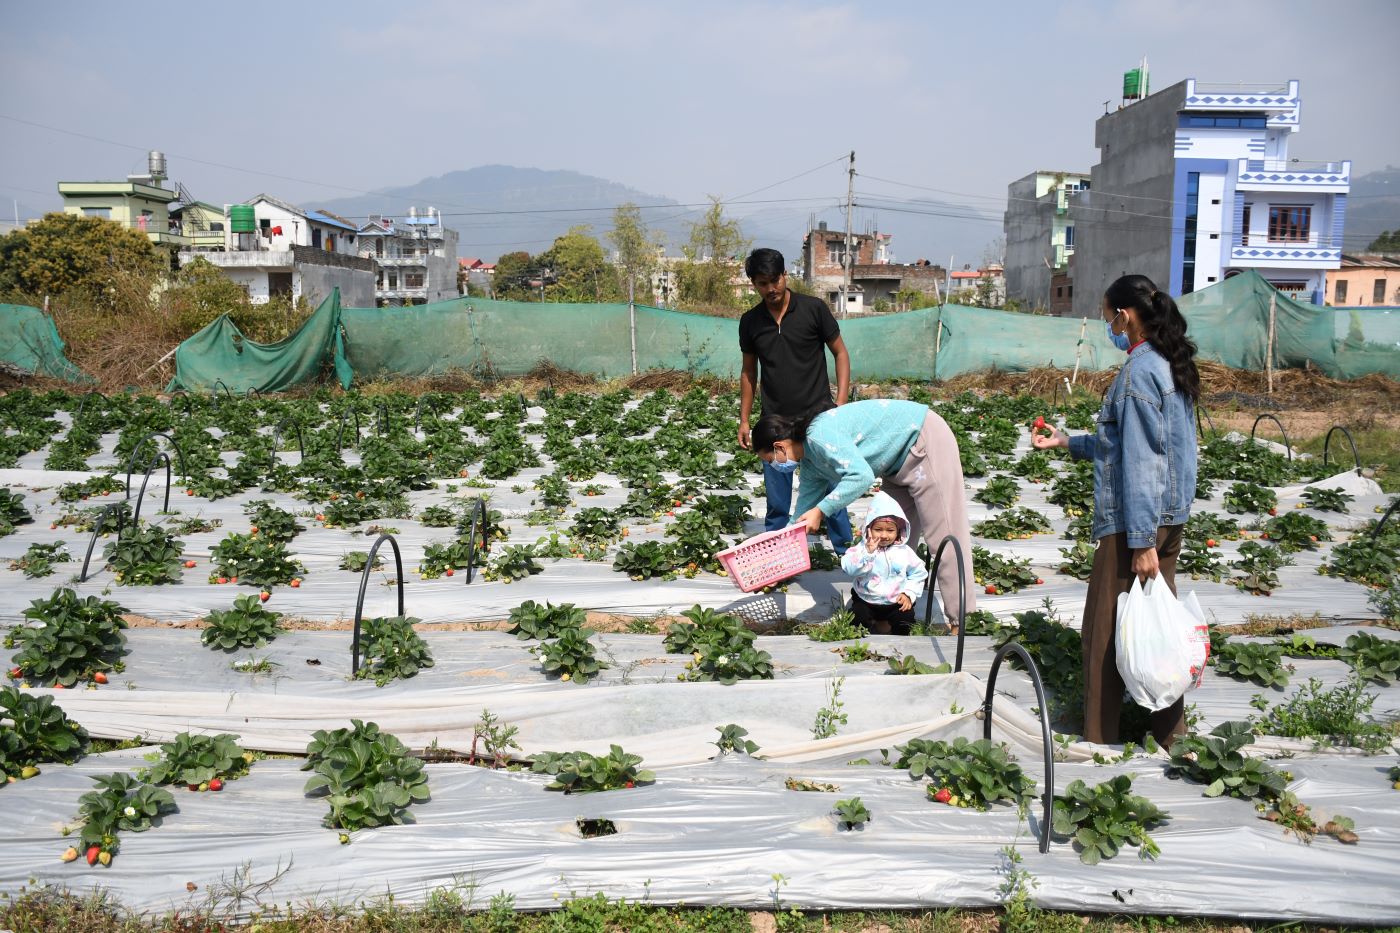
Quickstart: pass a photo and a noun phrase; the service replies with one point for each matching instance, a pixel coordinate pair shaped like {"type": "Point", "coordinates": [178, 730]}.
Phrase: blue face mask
{"type": "Point", "coordinates": [784, 466]}
{"type": "Point", "coordinates": [1120, 341]}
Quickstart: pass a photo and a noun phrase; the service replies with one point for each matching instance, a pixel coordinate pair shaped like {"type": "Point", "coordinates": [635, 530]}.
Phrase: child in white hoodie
{"type": "Point", "coordinates": [889, 574]}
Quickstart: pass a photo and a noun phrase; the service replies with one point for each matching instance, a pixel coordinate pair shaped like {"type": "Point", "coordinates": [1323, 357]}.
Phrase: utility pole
{"type": "Point", "coordinates": [846, 261]}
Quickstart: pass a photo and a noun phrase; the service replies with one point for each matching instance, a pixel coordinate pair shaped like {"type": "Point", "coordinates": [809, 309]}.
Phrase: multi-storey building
{"type": "Point", "coordinates": [416, 258]}
{"type": "Point", "coordinates": [874, 276]}
{"type": "Point", "coordinates": [141, 203]}
{"type": "Point", "coordinates": [1039, 233]}
{"type": "Point", "coordinates": [1195, 184]}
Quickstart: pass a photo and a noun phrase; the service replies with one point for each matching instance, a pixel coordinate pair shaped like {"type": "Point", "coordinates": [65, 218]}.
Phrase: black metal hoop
{"type": "Point", "coordinates": [1048, 798]}
{"type": "Point", "coordinates": [418, 412]}
{"type": "Point", "coordinates": [1286, 444]}
{"type": "Point", "coordinates": [1328, 443]}
{"type": "Point", "coordinates": [277, 439]}
{"type": "Point", "coordinates": [79, 413]}
{"type": "Point", "coordinates": [962, 592]}
{"type": "Point", "coordinates": [250, 392]}
{"type": "Point", "coordinates": [151, 465]}
{"type": "Point", "coordinates": [478, 521]}
{"type": "Point", "coordinates": [360, 601]}
{"type": "Point", "coordinates": [131, 461]}
{"type": "Point", "coordinates": [97, 530]}
{"type": "Point", "coordinates": [1200, 429]}
{"type": "Point", "coordinates": [340, 435]}
{"type": "Point", "coordinates": [382, 419]}
{"type": "Point", "coordinates": [1376, 532]}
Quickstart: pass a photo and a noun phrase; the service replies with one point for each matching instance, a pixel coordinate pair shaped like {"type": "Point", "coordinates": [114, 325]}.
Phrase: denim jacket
{"type": "Point", "coordinates": [1144, 452]}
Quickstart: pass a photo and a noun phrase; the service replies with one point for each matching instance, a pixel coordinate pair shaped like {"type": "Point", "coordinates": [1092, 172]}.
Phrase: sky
{"type": "Point", "coordinates": [747, 101]}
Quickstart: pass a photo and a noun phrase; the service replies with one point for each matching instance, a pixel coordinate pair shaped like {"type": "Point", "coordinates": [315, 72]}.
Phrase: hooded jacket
{"type": "Point", "coordinates": [883, 575]}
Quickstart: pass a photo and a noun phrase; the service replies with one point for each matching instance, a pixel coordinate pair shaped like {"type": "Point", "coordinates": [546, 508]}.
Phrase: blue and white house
{"type": "Point", "coordinates": [1225, 197]}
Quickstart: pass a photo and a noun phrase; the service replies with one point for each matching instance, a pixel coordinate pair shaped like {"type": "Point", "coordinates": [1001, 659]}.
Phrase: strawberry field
{"type": "Point", "coordinates": [319, 649]}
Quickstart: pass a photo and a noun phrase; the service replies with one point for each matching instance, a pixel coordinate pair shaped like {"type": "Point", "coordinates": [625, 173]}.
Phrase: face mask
{"type": "Point", "coordinates": [784, 466]}
{"type": "Point", "coordinates": [1120, 341]}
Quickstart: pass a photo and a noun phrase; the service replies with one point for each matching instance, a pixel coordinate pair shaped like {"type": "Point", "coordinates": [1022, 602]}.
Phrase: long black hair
{"type": "Point", "coordinates": [1163, 326]}
{"type": "Point", "coordinates": [773, 428]}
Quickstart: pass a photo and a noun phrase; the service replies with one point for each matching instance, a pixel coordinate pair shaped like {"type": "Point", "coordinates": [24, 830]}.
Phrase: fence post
{"type": "Point", "coordinates": [632, 317]}
{"type": "Point", "coordinates": [1269, 360]}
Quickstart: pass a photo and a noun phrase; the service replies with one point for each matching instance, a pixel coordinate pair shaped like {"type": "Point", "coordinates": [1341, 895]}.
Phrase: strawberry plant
{"type": "Point", "coordinates": [368, 776]}
{"type": "Point", "coordinates": [730, 662]}
{"type": "Point", "coordinates": [732, 739]}
{"type": "Point", "coordinates": [271, 522]}
{"type": "Point", "coordinates": [1362, 560]}
{"type": "Point", "coordinates": [858, 652]}
{"type": "Point", "coordinates": [192, 525]}
{"type": "Point", "coordinates": [38, 559]}
{"type": "Point", "coordinates": [1017, 523]}
{"type": "Point", "coordinates": [842, 626]}
{"type": "Point", "coordinates": [851, 813]}
{"type": "Point", "coordinates": [908, 664]}
{"type": "Point", "coordinates": [1057, 651]}
{"type": "Point", "coordinates": [121, 803]}
{"type": "Point", "coordinates": [1253, 661]}
{"type": "Point", "coordinates": [514, 563]}
{"type": "Point", "coordinates": [1078, 560]}
{"type": "Point", "coordinates": [1258, 568]}
{"type": "Point", "coordinates": [438, 516]}
{"type": "Point", "coordinates": [697, 542]}
{"type": "Point", "coordinates": [439, 557]}
{"type": "Point", "coordinates": [978, 773]}
{"type": "Point", "coordinates": [12, 512]}
{"type": "Point", "coordinates": [706, 626]}
{"type": "Point", "coordinates": [1000, 492]}
{"type": "Point", "coordinates": [246, 625]}
{"type": "Point", "coordinates": [531, 620]}
{"type": "Point", "coordinates": [595, 526]}
{"type": "Point", "coordinates": [1217, 760]}
{"type": "Point", "coordinates": [1208, 526]}
{"type": "Point", "coordinates": [1326, 500]}
{"type": "Point", "coordinates": [354, 561]}
{"type": "Point", "coordinates": [645, 560]}
{"type": "Point", "coordinates": [145, 556]}
{"type": "Point", "coordinates": [1372, 658]}
{"type": "Point", "coordinates": [392, 650]}
{"type": "Point", "coordinates": [74, 639]}
{"type": "Point", "coordinates": [1034, 466]}
{"type": "Point", "coordinates": [569, 656]}
{"type": "Point", "coordinates": [254, 560]}
{"type": "Point", "coordinates": [1294, 531]}
{"type": "Point", "coordinates": [1000, 574]}
{"type": "Point", "coordinates": [582, 773]}
{"type": "Point", "coordinates": [197, 760]}
{"type": "Point", "coordinates": [1247, 497]}
{"type": "Point", "coordinates": [1299, 645]}
{"type": "Point", "coordinates": [101, 485]}
{"type": "Point", "coordinates": [1073, 489]}
{"type": "Point", "coordinates": [1104, 818]}
{"type": "Point", "coordinates": [33, 730]}
{"type": "Point", "coordinates": [1198, 559]}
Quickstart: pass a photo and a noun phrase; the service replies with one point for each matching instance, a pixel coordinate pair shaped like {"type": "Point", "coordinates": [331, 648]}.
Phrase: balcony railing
{"type": "Point", "coordinates": [1293, 176]}
{"type": "Point", "coordinates": [1285, 165]}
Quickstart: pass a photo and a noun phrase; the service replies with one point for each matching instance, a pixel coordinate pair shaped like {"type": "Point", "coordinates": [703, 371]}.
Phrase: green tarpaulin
{"type": "Point", "coordinates": [29, 343]}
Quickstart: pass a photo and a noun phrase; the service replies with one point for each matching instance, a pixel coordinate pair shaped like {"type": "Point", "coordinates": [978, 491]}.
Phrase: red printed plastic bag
{"type": "Point", "coordinates": [1199, 638]}
{"type": "Point", "coordinates": [1154, 649]}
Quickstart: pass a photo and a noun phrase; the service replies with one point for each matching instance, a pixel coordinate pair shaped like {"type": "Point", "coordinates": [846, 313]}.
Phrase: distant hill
{"type": "Point", "coordinates": [1374, 206]}
{"type": "Point", "coordinates": [500, 208]}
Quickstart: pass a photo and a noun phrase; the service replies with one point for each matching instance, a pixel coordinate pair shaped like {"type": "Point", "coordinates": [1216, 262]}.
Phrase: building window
{"type": "Point", "coordinates": [1230, 121]}
{"type": "Point", "coordinates": [1069, 237]}
{"type": "Point", "coordinates": [413, 280]}
{"type": "Point", "coordinates": [1339, 295]}
{"type": "Point", "coordinates": [393, 280]}
{"type": "Point", "coordinates": [1378, 292]}
{"type": "Point", "coordinates": [1188, 255]}
{"type": "Point", "coordinates": [104, 212]}
{"type": "Point", "coordinates": [1289, 223]}
{"type": "Point", "coordinates": [1244, 225]}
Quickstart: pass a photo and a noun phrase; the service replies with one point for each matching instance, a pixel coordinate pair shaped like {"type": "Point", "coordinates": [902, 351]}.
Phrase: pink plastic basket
{"type": "Point", "coordinates": [767, 558]}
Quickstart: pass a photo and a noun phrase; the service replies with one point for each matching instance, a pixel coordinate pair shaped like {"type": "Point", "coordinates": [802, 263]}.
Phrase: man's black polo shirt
{"type": "Point", "coordinates": [792, 376]}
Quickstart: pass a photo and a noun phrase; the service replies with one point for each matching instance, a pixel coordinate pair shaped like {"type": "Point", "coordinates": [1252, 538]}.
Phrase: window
{"type": "Point", "coordinates": [1339, 294]}
{"type": "Point", "coordinates": [834, 254]}
{"type": "Point", "coordinates": [1378, 292]}
{"type": "Point", "coordinates": [1188, 255]}
{"type": "Point", "coordinates": [413, 280]}
{"type": "Point", "coordinates": [104, 212]}
{"type": "Point", "coordinates": [1222, 121]}
{"type": "Point", "coordinates": [1289, 223]}
{"type": "Point", "coordinates": [1244, 225]}
{"type": "Point", "coordinates": [216, 226]}
{"type": "Point", "coordinates": [393, 280]}
{"type": "Point", "coordinates": [1069, 237]}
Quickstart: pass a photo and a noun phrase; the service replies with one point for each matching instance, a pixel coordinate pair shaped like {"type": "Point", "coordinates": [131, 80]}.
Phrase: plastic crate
{"type": "Point", "coordinates": [767, 558]}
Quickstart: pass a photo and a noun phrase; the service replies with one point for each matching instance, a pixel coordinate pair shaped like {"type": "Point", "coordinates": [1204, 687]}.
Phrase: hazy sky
{"type": "Point", "coordinates": [313, 101]}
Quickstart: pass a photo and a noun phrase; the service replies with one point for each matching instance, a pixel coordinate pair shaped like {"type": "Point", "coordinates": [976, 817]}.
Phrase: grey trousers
{"type": "Point", "coordinates": [929, 488]}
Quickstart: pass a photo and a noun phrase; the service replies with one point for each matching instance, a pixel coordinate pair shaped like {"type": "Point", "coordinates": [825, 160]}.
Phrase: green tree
{"type": "Point", "coordinates": [1387, 242]}
{"type": "Point", "coordinates": [581, 271]}
{"type": "Point", "coordinates": [911, 299]}
{"type": "Point", "coordinates": [513, 275]}
{"type": "Point", "coordinates": [199, 293]}
{"type": "Point", "coordinates": [636, 251]}
{"type": "Point", "coordinates": [67, 254]}
{"type": "Point", "coordinates": [713, 257]}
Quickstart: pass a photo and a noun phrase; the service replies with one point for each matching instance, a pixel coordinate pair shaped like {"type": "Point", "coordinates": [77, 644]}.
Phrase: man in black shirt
{"type": "Point", "coordinates": [784, 339]}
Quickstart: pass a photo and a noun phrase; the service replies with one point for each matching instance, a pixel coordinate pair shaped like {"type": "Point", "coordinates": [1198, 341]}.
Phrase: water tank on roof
{"type": "Point", "coordinates": [1134, 87]}
{"type": "Point", "coordinates": [242, 218]}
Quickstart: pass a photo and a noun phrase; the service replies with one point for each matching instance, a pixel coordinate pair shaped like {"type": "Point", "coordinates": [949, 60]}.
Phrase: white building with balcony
{"type": "Point", "coordinates": [1195, 184]}
{"type": "Point", "coordinates": [1040, 237]}
{"type": "Point", "coordinates": [416, 258]}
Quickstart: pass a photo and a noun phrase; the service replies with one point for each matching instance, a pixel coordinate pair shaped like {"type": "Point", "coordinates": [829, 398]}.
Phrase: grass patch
{"type": "Point", "coordinates": [1263, 624]}
{"type": "Point", "coordinates": [1378, 448]}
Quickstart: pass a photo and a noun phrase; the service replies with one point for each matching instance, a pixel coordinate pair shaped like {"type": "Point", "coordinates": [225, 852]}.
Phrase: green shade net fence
{"type": "Point", "coordinates": [1228, 321]}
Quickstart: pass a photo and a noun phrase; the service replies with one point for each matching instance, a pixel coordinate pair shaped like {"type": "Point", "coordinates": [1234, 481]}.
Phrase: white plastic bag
{"type": "Point", "coordinates": [1154, 650]}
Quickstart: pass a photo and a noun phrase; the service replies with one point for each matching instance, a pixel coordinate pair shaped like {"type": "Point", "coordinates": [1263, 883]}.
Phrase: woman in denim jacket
{"type": "Point", "coordinates": [1144, 454]}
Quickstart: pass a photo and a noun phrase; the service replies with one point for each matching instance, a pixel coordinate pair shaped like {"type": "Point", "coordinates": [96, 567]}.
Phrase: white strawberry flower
{"type": "Point", "coordinates": [130, 811]}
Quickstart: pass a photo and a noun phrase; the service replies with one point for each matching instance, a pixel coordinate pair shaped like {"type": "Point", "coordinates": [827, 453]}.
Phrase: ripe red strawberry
{"type": "Point", "coordinates": [264, 596]}
{"type": "Point", "coordinates": [216, 784]}
{"type": "Point", "coordinates": [991, 590]}
{"type": "Point", "coordinates": [223, 579]}
{"type": "Point", "coordinates": [448, 572]}
{"type": "Point", "coordinates": [16, 673]}
{"type": "Point", "coordinates": [1039, 582]}
{"type": "Point", "coordinates": [99, 678]}
{"type": "Point", "coordinates": [1273, 511]}
{"type": "Point", "coordinates": [59, 687]}
{"type": "Point", "coordinates": [943, 795]}
{"type": "Point", "coordinates": [296, 583]}
{"type": "Point", "coordinates": [630, 784]}
{"type": "Point", "coordinates": [92, 853]}
{"type": "Point", "coordinates": [1210, 542]}
{"type": "Point", "coordinates": [189, 492]}
{"type": "Point", "coordinates": [189, 563]}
